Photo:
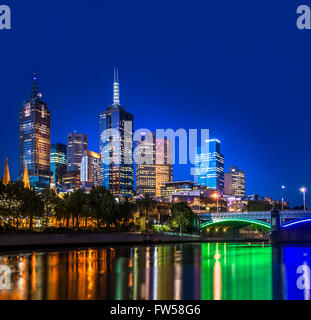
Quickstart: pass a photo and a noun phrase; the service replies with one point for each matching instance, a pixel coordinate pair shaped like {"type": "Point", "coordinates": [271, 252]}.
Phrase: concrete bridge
{"type": "Point", "coordinates": [289, 224]}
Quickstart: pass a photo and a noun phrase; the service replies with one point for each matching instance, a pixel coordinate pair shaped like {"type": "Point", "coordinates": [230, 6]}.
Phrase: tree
{"type": "Point", "coordinates": [182, 217]}
{"type": "Point", "coordinates": [103, 206]}
{"type": "Point", "coordinates": [62, 209]}
{"type": "Point", "coordinates": [257, 205]}
{"type": "Point", "coordinates": [50, 201]}
{"type": "Point", "coordinates": [20, 202]}
{"type": "Point", "coordinates": [126, 210]}
{"type": "Point", "coordinates": [32, 205]}
{"type": "Point", "coordinates": [78, 205]}
{"type": "Point", "coordinates": [145, 205]}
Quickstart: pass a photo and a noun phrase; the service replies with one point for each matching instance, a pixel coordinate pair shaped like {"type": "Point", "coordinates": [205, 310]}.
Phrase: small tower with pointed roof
{"type": "Point", "coordinates": [6, 175]}
{"type": "Point", "coordinates": [26, 177]}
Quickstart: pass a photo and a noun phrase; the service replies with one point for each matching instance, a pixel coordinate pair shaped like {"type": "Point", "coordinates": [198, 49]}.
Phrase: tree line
{"type": "Point", "coordinates": [75, 210]}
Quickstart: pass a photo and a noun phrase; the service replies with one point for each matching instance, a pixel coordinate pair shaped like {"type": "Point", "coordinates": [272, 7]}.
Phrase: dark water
{"type": "Point", "coordinates": [179, 271]}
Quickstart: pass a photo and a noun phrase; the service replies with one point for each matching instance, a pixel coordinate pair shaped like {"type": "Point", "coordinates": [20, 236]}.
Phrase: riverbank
{"type": "Point", "coordinates": [16, 241]}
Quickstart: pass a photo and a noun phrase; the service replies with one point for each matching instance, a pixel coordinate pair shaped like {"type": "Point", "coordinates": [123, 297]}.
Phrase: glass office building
{"type": "Point", "coordinates": [58, 162]}
{"type": "Point", "coordinates": [209, 166]}
{"type": "Point", "coordinates": [35, 140]}
{"type": "Point", "coordinates": [116, 146]}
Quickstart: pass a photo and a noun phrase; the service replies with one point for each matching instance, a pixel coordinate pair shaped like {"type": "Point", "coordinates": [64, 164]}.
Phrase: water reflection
{"type": "Point", "coordinates": [183, 271]}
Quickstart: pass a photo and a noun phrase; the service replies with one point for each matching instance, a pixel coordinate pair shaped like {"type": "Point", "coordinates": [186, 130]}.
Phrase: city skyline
{"type": "Point", "coordinates": [200, 74]}
{"type": "Point", "coordinates": [215, 158]}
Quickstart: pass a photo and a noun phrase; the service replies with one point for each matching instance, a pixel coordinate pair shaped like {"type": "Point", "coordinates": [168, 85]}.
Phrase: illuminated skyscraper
{"type": "Point", "coordinates": [150, 177]}
{"type": "Point", "coordinates": [209, 166]}
{"type": "Point", "coordinates": [77, 143]}
{"type": "Point", "coordinates": [164, 167]}
{"type": "Point", "coordinates": [235, 182]}
{"type": "Point", "coordinates": [116, 146]}
{"type": "Point", "coordinates": [90, 169]}
{"type": "Point", "coordinates": [146, 170]}
{"type": "Point", "coordinates": [35, 139]}
{"type": "Point", "coordinates": [58, 161]}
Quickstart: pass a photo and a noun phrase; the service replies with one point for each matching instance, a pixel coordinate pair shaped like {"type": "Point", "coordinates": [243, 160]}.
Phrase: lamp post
{"type": "Point", "coordinates": [216, 196]}
{"type": "Point", "coordinates": [303, 190]}
{"type": "Point", "coordinates": [283, 187]}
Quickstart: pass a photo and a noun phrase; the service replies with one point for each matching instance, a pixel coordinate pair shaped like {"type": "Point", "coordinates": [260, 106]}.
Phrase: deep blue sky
{"type": "Point", "coordinates": [239, 68]}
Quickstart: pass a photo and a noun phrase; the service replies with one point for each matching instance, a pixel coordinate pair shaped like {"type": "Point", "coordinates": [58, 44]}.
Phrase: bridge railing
{"type": "Point", "coordinates": [258, 215]}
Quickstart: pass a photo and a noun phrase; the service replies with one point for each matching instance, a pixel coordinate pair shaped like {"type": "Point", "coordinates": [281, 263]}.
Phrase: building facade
{"type": "Point", "coordinates": [209, 166]}
{"type": "Point", "coordinates": [116, 146]}
{"type": "Point", "coordinates": [58, 162]}
{"type": "Point", "coordinates": [77, 144]}
{"type": "Point", "coordinates": [152, 176]}
{"type": "Point", "coordinates": [146, 169]}
{"type": "Point", "coordinates": [35, 139]}
{"type": "Point", "coordinates": [164, 166]}
{"type": "Point", "coordinates": [235, 182]}
{"type": "Point", "coordinates": [71, 180]}
{"type": "Point", "coordinates": [90, 169]}
{"type": "Point", "coordinates": [175, 187]}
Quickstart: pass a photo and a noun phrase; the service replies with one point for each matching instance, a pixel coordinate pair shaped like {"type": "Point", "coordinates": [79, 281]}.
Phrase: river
{"type": "Point", "coordinates": [207, 271]}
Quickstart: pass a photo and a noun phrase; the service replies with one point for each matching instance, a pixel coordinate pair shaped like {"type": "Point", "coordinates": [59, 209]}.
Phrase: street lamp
{"type": "Point", "coordinates": [283, 187]}
{"type": "Point", "coordinates": [304, 190]}
{"type": "Point", "coordinates": [216, 196]}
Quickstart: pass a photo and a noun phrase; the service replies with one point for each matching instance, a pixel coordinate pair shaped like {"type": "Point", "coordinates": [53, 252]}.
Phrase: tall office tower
{"type": "Point", "coordinates": [164, 167]}
{"type": "Point", "coordinates": [35, 139]}
{"type": "Point", "coordinates": [209, 166]}
{"type": "Point", "coordinates": [145, 167]}
{"type": "Point", "coordinates": [76, 145]}
{"type": "Point", "coordinates": [154, 173]}
{"type": "Point", "coordinates": [90, 169]}
{"type": "Point", "coordinates": [235, 182]}
{"type": "Point", "coordinates": [58, 162]}
{"type": "Point", "coordinates": [116, 146]}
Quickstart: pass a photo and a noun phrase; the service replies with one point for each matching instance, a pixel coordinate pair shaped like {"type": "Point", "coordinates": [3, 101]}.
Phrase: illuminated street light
{"type": "Point", "coordinates": [216, 196]}
{"type": "Point", "coordinates": [304, 190]}
{"type": "Point", "coordinates": [283, 187]}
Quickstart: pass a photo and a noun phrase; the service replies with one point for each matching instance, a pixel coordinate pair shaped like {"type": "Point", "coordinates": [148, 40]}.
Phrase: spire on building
{"type": "Point", "coordinates": [116, 88]}
{"type": "Point", "coordinates": [6, 175]}
{"type": "Point", "coordinates": [26, 177]}
{"type": "Point", "coordinates": [35, 91]}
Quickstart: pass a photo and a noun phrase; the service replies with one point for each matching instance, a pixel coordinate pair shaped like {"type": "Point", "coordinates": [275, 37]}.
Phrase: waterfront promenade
{"type": "Point", "coordinates": [74, 239]}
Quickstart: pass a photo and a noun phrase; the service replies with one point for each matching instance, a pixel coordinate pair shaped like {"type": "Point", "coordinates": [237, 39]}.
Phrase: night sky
{"type": "Point", "coordinates": [239, 68]}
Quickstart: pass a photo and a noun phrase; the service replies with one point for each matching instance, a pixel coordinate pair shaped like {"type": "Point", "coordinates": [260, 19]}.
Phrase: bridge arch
{"type": "Point", "coordinates": [296, 223]}
{"type": "Point", "coordinates": [236, 222]}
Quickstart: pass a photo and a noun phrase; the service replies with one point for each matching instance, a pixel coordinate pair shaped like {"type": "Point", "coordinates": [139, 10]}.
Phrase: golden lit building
{"type": "Point", "coordinates": [71, 180]}
{"type": "Point", "coordinates": [157, 168]}
{"type": "Point", "coordinates": [176, 187]}
{"type": "Point", "coordinates": [145, 164]}
{"type": "Point", "coordinates": [164, 166]}
{"type": "Point", "coordinates": [35, 139]}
